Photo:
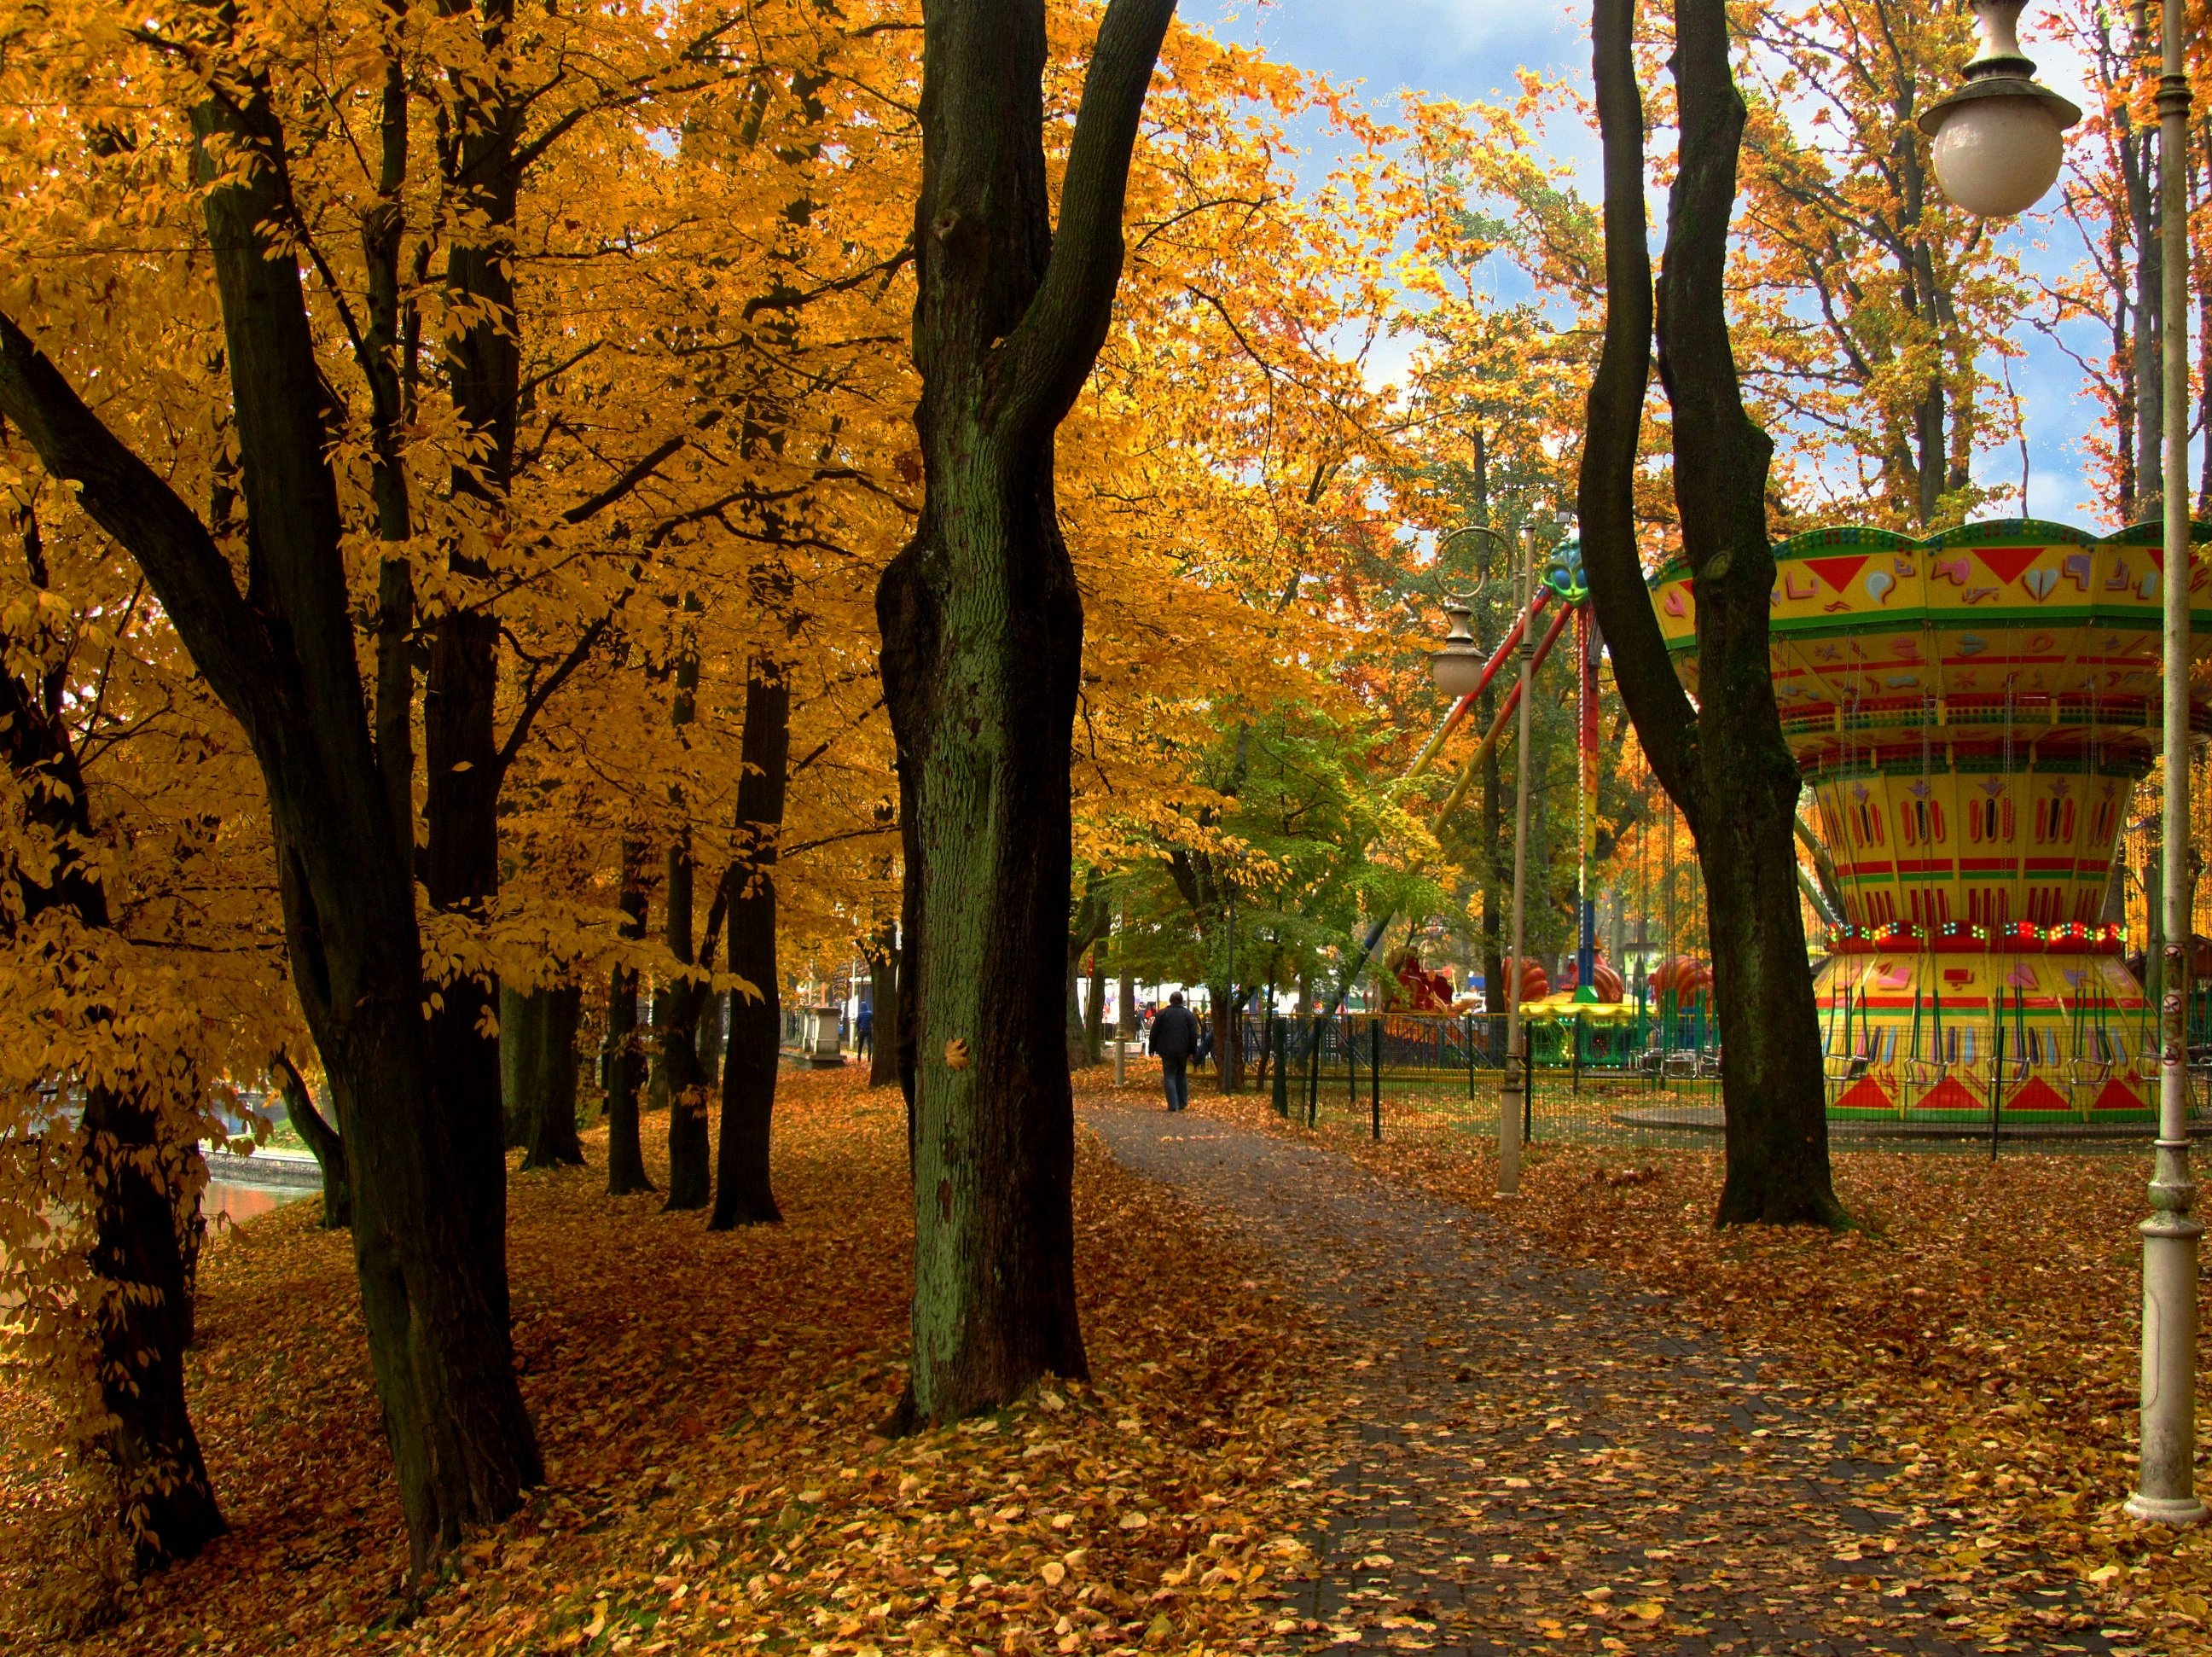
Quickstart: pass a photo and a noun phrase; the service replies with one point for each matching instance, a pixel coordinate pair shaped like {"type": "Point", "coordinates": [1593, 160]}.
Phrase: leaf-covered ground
{"type": "Point", "coordinates": [707, 1407]}
{"type": "Point", "coordinates": [1984, 1321]}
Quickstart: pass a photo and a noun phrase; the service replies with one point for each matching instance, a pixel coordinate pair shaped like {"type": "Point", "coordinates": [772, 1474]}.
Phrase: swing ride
{"type": "Point", "coordinates": [1972, 712]}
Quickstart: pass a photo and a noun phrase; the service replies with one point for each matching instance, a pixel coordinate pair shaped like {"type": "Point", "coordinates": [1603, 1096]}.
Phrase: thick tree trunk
{"type": "Point", "coordinates": [982, 629]}
{"type": "Point", "coordinates": [143, 1319]}
{"type": "Point", "coordinates": [676, 1031]}
{"type": "Point", "coordinates": [744, 1191]}
{"type": "Point", "coordinates": [537, 1068]}
{"type": "Point", "coordinates": [1075, 1033]}
{"type": "Point", "coordinates": [1226, 1022]}
{"type": "Point", "coordinates": [459, 870]}
{"type": "Point", "coordinates": [461, 865]}
{"type": "Point", "coordinates": [625, 1057]}
{"type": "Point", "coordinates": [1725, 762]}
{"type": "Point", "coordinates": [982, 679]}
{"type": "Point", "coordinates": [516, 1016]}
{"type": "Point", "coordinates": [678, 1081]}
{"type": "Point", "coordinates": [713, 1012]}
{"type": "Point", "coordinates": [323, 1144]}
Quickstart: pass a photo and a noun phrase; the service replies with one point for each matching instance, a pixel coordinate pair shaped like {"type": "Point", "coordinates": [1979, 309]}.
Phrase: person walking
{"type": "Point", "coordinates": [1175, 1039]}
{"type": "Point", "coordinates": [864, 1031]}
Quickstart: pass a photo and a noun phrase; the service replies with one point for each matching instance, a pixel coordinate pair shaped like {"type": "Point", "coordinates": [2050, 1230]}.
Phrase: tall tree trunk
{"type": "Point", "coordinates": [460, 867]}
{"type": "Point", "coordinates": [515, 1039]}
{"type": "Point", "coordinates": [2149, 368]}
{"type": "Point", "coordinates": [1725, 762]}
{"type": "Point", "coordinates": [460, 876]}
{"type": "Point", "coordinates": [144, 1319]}
{"type": "Point", "coordinates": [1092, 916]}
{"type": "Point", "coordinates": [537, 1068]}
{"type": "Point", "coordinates": [322, 1142]}
{"type": "Point", "coordinates": [883, 990]}
{"type": "Point", "coordinates": [982, 628]}
{"type": "Point", "coordinates": [745, 1193]}
{"type": "Point", "coordinates": [676, 1044]}
{"type": "Point", "coordinates": [1221, 1022]}
{"type": "Point", "coordinates": [282, 656]}
{"type": "Point", "coordinates": [678, 1081]}
{"type": "Point", "coordinates": [626, 1058]}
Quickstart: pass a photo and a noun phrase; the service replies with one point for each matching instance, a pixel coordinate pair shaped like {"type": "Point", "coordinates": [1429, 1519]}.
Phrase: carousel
{"type": "Point", "coordinates": [1972, 713]}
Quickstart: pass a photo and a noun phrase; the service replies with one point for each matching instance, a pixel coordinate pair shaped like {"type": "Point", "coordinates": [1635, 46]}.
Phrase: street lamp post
{"type": "Point", "coordinates": [1458, 669]}
{"type": "Point", "coordinates": [1997, 150]}
{"type": "Point", "coordinates": [1514, 1080]}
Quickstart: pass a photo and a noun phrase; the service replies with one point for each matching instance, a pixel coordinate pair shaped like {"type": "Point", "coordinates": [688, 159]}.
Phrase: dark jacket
{"type": "Point", "coordinates": [1175, 1034]}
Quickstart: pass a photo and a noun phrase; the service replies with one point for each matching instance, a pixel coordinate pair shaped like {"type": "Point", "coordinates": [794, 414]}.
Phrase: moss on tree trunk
{"type": "Point", "coordinates": [982, 629]}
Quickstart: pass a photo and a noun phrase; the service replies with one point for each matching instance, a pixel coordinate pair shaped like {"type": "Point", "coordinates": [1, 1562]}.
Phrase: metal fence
{"type": "Point", "coordinates": [1635, 1082]}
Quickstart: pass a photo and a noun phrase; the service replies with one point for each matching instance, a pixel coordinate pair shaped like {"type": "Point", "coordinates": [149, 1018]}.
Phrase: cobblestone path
{"type": "Point", "coordinates": [1535, 1460]}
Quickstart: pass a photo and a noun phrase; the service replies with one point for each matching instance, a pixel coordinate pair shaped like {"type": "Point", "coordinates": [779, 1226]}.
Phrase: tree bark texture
{"type": "Point", "coordinates": [322, 1142]}
{"type": "Point", "coordinates": [1725, 762]}
{"type": "Point", "coordinates": [676, 1044]}
{"type": "Point", "coordinates": [678, 1079]}
{"type": "Point", "coordinates": [538, 1071]}
{"type": "Point", "coordinates": [744, 1191]}
{"type": "Point", "coordinates": [281, 657]}
{"type": "Point", "coordinates": [713, 1013]}
{"type": "Point", "coordinates": [143, 1320]}
{"type": "Point", "coordinates": [625, 1054]}
{"type": "Point", "coordinates": [460, 868]}
{"type": "Point", "coordinates": [982, 629]}
{"type": "Point", "coordinates": [1093, 915]}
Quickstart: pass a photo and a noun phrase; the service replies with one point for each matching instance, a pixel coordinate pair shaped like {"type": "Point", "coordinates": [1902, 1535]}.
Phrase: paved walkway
{"type": "Point", "coordinates": [1537, 1459]}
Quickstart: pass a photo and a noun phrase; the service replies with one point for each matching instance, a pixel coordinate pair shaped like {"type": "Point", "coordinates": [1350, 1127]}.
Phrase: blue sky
{"type": "Point", "coordinates": [1471, 49]}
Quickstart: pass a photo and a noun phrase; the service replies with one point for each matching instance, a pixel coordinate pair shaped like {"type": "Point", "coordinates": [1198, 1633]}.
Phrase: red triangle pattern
{"type": "Point", "coordinates": [1838, 572]}
{"type": "Point", "coordinates": [1950, 1094]}
{"type": "Point", "coordinates": [2037, 1094]}
{"type": "Point", "coordinates": [2007, 563]}
{"type": "Point", "coordinates": [2117, 1095]}
{"type": "Point", "coordinates": [1866, 1094]}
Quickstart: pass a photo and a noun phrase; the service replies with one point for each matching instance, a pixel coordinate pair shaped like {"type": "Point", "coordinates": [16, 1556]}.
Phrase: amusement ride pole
{"type": "Point", "coordinates": [1517, 1035]}
{"type": "Point", "coordinates": [1586, 648]}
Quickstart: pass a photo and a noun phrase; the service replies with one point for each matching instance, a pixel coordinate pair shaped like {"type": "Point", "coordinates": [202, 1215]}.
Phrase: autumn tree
{"type": "Point", "coordinates": [1866, 308]}
{"type": "Point", "coordinates": [139, 968]}
{"type": "Point", "coordinates": [2111, 198]}
{"type": "Point", "coordinates": [982, 630]}
{"type": "Point", "coordinates": [279, 653]}
{"type": "Point", "coordinates": [1723, 761]}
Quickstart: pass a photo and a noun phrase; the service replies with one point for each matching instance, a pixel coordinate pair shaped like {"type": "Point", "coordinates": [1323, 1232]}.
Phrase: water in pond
{"type": "Point", "coordinates": [236, 1201]}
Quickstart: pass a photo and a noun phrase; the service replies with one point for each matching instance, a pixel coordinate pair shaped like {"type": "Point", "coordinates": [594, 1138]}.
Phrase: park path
{"type": "Point", "coordinates": [1534, 1459]}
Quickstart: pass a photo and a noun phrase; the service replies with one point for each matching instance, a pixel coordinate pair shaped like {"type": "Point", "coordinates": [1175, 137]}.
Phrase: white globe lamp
{"type": "Point", "coordinates": [1999, 139]}
{"type": "Point", "coordinates": [1457, 668]}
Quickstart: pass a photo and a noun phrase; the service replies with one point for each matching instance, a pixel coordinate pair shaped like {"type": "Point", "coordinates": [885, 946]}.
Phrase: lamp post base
{"type": "Point", "coordinates": [2178, 1510]}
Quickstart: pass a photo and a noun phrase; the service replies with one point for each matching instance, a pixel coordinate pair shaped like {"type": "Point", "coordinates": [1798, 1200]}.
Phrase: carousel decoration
{"type": "Point", "coordinates": [1972, 712]}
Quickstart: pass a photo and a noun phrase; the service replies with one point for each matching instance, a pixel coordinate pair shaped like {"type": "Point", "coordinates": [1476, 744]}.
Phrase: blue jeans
{"type": "Point", "coordinates": [1174, 1072]}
